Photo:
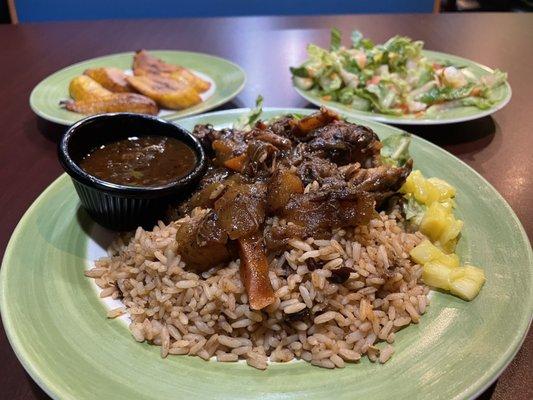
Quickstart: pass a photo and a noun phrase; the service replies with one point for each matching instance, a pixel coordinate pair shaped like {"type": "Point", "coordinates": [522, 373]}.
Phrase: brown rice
{"type": "Point", "coordinates": [314, 319]}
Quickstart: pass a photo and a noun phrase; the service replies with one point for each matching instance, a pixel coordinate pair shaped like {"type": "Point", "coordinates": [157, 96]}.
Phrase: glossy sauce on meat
{"type": "Point", "coordinates": [141, 161]}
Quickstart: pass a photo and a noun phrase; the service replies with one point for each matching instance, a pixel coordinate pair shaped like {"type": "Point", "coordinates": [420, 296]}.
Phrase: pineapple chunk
{"type": "Point", "coordinates": [453, 229]}
{"type": "Point", "coordinates": [433, 193]}
{"type": "Point", "coordinates": [437, 275]}
{"type": "Point", "coordinates": [427, 191]}
{"type": "Point", "coordinates": [446, 191]}
{"type": "Point", "coordinates": [450, 260]}
{"type": "Point", "coordinates": [436, 221]}
{"type": "Point", "coordinates": [425, 252]}
{"type": "Point", "coordinates": [448, 204]}
{"type": "Point", "coordinates": [416, 185]}
{"type": "Point", "coordinates": [449, 246]}
{"type": "Point", "coordinates": [466, 282]}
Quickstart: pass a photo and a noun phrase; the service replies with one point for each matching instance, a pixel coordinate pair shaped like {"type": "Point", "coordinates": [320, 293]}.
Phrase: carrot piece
{"type": "Point", "coordinates": [254, 272]}
{"type": "Point", "coordinates": [314, 121]}
{"type": "Point", "coordinates": [236, 163]}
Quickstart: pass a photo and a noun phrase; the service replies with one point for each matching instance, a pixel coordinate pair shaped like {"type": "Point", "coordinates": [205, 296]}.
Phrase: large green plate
{"type": "Point", "coordinates": [227, 80]}
{"type": "Point", "coordinates": [459, 114]}
{"type": "Point", "coordinates": [59, 330]}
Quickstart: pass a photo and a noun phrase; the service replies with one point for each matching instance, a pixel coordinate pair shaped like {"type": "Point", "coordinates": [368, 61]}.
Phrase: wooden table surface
{"type": "Point", "coordinates": [499, 147]}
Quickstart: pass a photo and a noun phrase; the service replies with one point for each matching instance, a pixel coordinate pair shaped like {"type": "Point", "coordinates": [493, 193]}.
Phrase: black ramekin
{"type": "Point", "coordinates": [122, 207]}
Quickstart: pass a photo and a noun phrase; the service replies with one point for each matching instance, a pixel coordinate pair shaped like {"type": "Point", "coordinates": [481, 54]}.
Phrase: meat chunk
{"type": "Point", "coordinates": [278, 141]}
{"type": "Point", "coordinates": [281, 187]}
{"type": "Point", "coordinates": [202, 243]}
{"type": "Point", "coordinates": [259, 158]}
{"type": "Point", "coordinates": [211, 186]}
{"type": "Point", "coordinates": [280, 180]}
{"type": "Point", "coordinates": [277, 236]}
{"type": "Point", "coordinates": [345, 143]}
{"type": "Point", "coordinates": [314, 168]}
{"type": "Point", "coordinates": [241, 209]}
{"type": "Point", "coordinates": [283, 126]}
{"type": "Point", "coordinates": [382, 181]}
{"type": "Point", "coordinates": [222, 144]}
{"type": "Point", "coordinates": [329, 208]}
{"type": "Point", "coordinates": [316, 214]}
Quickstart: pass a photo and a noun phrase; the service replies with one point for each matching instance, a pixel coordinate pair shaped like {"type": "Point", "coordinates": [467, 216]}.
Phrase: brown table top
{"type": "Point", "coordinates": [499, 147]}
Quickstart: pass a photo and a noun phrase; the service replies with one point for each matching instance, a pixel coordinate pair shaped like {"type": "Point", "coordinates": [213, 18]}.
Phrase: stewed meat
{"type": "Point", "coordinates": [290, 178]}
{"type": "Point", "coordinates": [345, 143]}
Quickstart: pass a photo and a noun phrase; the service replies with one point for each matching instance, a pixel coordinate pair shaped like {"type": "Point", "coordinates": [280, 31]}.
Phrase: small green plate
{"type": "Point", "coordinates": [227, 80]}
{"type": "Point", "coordinates": [58, 327]}
{"type": "Point", "coordinates": [459, 114]}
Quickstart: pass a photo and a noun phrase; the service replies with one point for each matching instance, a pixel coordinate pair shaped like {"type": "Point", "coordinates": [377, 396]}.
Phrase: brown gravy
{"type": "Point", "coordinates": [141, 161]}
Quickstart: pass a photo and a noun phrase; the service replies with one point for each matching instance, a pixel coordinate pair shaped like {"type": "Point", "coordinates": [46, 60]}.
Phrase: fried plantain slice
{"type": "Point", "coordinates": [197, 83]}
{"type": "Point", "coordinates": [115, 102]}
{"type": "Point", "coordinates": [166, 91]}
{"type": "Point", "coordinates": [146, 64]}
{"type": "Point", "coordinates": [85, 88]}
{"type": "Point", "coordinates": [112, 79]}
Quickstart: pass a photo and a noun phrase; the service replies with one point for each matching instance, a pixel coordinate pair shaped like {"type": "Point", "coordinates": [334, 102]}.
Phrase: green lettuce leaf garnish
{"type": "Point", "coordinates": [413, 210]}
{"type": "Point", "coordinates": [335, 41]}
{"type": "Point", "coordinates": [395, 149]}
{"type": "Point", "coordinates": [440, 94]}
{"type": "Point", "coordinates": [248, 121]}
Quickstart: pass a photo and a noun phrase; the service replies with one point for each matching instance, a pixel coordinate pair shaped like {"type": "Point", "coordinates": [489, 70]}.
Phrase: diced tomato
{"type": "Point", "coordinates": [374, 80]}
{"type": "Point", "coordinates": [404, 107]}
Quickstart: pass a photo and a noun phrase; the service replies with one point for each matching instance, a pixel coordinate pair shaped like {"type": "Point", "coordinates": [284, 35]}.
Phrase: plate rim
{"type": "Point", "coordinates": [55, 392]}
{"type": "Point", "coordinates": [169, 117]}
{"type": "Point", "coordinates": [383, 118]}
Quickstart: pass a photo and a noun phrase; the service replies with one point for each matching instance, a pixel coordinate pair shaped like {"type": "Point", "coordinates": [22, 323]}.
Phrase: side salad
{"type": "Point", "coordinates": [394, 78]}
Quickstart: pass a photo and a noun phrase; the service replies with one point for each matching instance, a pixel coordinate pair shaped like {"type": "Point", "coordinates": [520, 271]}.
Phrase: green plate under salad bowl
{"type": "Point", "coordinates": [227, 80]}
{"type": "Point", "coordinates": [502, 94]}
{"type": "Point", "coordinates": [58, 328]}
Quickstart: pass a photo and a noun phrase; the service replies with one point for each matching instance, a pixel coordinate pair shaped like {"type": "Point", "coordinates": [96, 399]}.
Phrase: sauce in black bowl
{"type": "Point", "coordinates": [116, 203]}
{"type": "Point", "coordinates": [141, 161]}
